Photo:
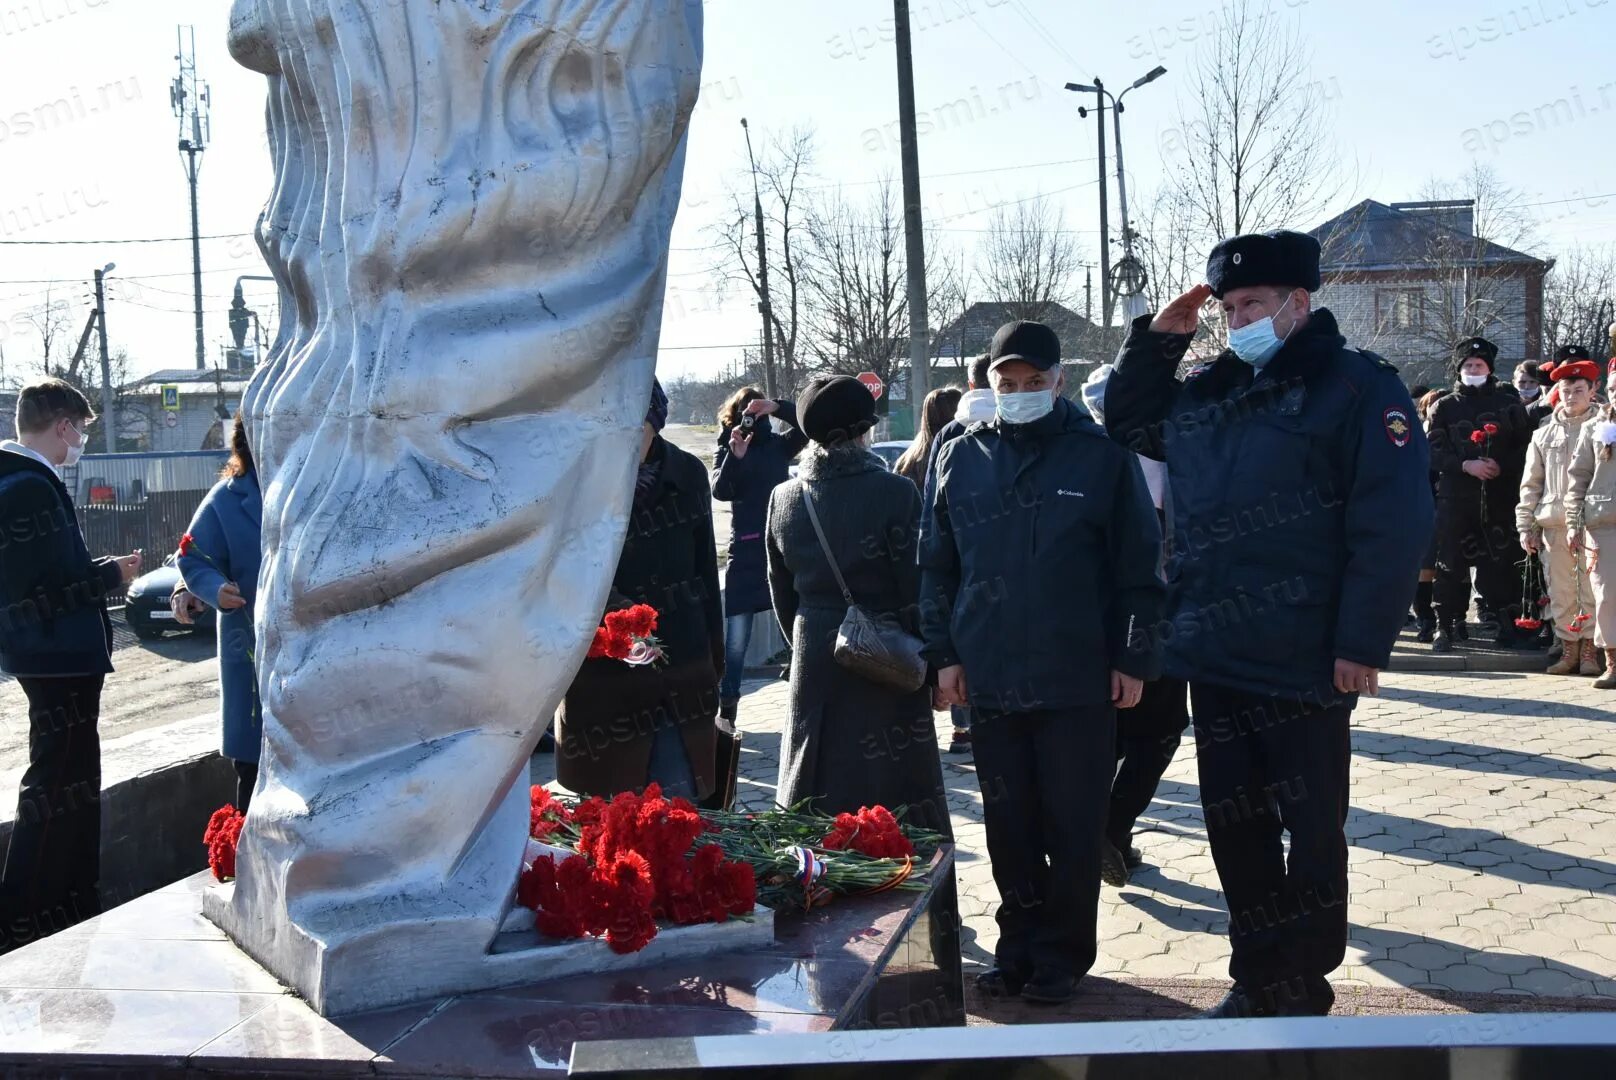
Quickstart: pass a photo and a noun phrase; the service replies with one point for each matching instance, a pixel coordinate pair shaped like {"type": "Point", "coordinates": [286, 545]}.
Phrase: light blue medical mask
{"type": "Point", "coordinates": [1025, 407]}
{"type": "Point", "coordinates": [1256, 343]}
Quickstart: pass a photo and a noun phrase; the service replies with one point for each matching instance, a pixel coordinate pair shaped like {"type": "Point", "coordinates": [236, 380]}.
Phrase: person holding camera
{"type": "Point", "coordinates": [751, 460]}
{"type": "Point", "coordinates": [56, 638]}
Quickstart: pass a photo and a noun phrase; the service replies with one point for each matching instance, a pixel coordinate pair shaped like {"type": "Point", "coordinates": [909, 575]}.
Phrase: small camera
{"type": "Point", "coordinates": [748, 423]}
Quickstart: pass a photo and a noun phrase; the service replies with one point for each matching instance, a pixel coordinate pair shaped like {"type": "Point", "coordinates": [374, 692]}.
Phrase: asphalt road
{"type": "Point", "coordinates": [153, 682]}
{"type": "Point", "coordinates": [177, 676]}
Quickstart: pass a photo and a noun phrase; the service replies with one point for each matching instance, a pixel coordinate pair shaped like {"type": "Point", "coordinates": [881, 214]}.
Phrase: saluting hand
{"type": "Point", "coordinates": [1183, 316]}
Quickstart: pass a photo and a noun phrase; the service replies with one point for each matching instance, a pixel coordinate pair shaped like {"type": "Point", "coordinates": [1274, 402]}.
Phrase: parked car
{"type": "Point", "coordinates": [889, 452]}
{"type": "Point", "coordinates": [145, 606]}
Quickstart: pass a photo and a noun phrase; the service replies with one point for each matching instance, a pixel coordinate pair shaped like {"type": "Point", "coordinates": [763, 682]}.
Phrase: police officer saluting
{"type": "Point", "coordinates": [1301, 512]}
{"type": "Point", "coordinates": [1479, 436]}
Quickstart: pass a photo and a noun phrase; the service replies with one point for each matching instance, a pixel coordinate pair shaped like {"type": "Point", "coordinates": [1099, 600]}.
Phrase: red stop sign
{"type": "Point", "coordinates": [872, 382]}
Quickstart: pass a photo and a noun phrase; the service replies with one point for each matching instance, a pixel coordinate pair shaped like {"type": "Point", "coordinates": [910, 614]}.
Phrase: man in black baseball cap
{"type": "Point", "coordinates": [1038, 556]}
{"type": "Point", "coordinates": [1301, 511]}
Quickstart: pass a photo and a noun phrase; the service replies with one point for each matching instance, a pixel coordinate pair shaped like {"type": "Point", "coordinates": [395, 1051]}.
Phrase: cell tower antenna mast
{"type": "Point", "coordinates": [189, 97]}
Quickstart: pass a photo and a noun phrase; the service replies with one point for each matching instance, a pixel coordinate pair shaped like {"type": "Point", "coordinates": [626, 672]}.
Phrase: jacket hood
{"type": "Point", "coordinates": [844, 459]}
{"type": "Point", "coordinates": [975, 406]}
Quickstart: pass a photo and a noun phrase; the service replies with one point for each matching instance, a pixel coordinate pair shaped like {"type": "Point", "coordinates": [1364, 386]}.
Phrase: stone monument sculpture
{"type": "Point", "coordinates": [469, 225]}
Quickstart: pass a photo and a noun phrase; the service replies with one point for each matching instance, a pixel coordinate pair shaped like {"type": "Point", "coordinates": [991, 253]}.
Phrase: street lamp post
{"type": "Point", "coordinates": [769, 388]}
{"type": "Point", "coordinates": [1130, 272]}
{"type": "Point", "coordinates": [109, 406]}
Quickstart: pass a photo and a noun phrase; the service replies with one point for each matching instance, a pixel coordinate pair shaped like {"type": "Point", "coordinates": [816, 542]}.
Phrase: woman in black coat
{"type": "Point", "coordinates": [751, 461]}
{"type": "Point", "coordinates": [849, 742]}
{"type": "Point", "coordinates": [621, 727]}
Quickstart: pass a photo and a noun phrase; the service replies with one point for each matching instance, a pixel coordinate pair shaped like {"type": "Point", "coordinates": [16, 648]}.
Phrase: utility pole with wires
{"type": "Point", "coordinates": [770, 387]}
{"type": "Point", "coordinates": [189, 98]}
{"type": "Point", "coordinates": [914, 239]}
{"type": "Point", "coordinates": [109, 400]}
{"type": "Point", "coordinates": [1130, 271]}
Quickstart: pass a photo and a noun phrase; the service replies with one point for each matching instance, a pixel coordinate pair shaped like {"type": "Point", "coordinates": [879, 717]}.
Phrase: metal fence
{"type": "Point", "coordinates": [129, 502]}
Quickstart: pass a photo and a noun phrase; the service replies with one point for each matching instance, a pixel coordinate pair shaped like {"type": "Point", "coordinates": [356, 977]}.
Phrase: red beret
{"type": "Point", "coordinates": [1577, 369]}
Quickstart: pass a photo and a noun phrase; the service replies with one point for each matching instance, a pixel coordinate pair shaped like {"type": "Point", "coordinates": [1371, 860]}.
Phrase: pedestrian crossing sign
{"type": "Point", "coordinates": [171, 398]}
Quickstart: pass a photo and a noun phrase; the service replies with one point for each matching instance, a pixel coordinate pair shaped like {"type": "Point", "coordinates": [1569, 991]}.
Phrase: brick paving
{"type": "Point", "coordinates": [1482, 832]}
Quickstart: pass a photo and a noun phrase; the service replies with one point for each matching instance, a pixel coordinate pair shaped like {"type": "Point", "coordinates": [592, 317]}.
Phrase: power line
{"type": "Point", "coordinates": [140, 240]}
{"type": "Point", "coordinates": [1037, 24]}
{"type": "Point", "coordinates": [132, 277]}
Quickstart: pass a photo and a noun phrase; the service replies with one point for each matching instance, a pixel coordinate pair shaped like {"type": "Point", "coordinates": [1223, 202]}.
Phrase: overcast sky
{"type": "Point", "coordinates": [1418, 90]}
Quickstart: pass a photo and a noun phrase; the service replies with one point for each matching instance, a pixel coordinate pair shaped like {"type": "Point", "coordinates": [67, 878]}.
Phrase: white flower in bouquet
{"type": "Point", "coordinates": [1605, 432]}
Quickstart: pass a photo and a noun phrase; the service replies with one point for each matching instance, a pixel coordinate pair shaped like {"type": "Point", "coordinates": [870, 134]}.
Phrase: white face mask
{"type": "Point", "coordinates": [1474, 380]}
{"type": "Point", "coordinates": [1529, 393]}
{"type": "Point", "coordinates": [74, 452]}
{"type": "Point", "coordinates": [1024, 408]}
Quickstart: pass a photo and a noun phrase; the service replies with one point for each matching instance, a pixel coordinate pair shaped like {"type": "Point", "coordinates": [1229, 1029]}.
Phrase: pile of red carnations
{"type": "Point", "coordinates": [220, 837]}
{"type": "Point", "coordinates": [638, 864]}
{"type": "Point", "coordinates": [874, 832]}
{"type": "Point", "coordinates": [642, 860]}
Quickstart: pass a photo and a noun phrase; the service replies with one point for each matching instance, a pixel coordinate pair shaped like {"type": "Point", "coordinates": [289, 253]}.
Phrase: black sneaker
{"type": "Point", "coordinates": [1133, 857]}
{"type": "Point", "coordinates": [1427, 632]}
{"type": "Point", "coordinates": [1461, 631]}
{"type": "Point", "coordinates": [1443, 642]}
{"type": "Point", "coordinates": [1049, 988]}
{"type": "Point", "coordinates": [961, 742]}
{"type": "Point", "coordinates": [1113, 866]}
{"type": "Point", "coordinates": [998, 983]}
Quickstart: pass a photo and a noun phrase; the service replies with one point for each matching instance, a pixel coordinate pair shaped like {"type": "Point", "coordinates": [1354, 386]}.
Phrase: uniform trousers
{"type": "Point", "coordinates": [1467, 537]}
{"type": "Point", "coordinates": [1045, 777]}
{"type": "Point", "coordinates": [52, 871]}
{"type": "Point", "coordinates": [1602, 580]}
{"type": "Point", "coordinates": [1270, 765]}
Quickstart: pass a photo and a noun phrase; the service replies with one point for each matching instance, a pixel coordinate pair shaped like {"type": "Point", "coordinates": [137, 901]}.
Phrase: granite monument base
{"type": "Point", "coordinates": [154, 988]}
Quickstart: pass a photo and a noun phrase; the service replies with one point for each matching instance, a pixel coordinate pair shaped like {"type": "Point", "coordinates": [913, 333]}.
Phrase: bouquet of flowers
{"type": "Point", "coordinates": [1483, 437]}
{"type": "Point", "coordinates": [221, 837]}
{"type": "Point", "coordinates": [628, 635]}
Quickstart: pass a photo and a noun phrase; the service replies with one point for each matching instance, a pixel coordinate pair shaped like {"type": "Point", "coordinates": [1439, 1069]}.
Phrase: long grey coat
{"type": "Point", "coordinates": [850, 742]}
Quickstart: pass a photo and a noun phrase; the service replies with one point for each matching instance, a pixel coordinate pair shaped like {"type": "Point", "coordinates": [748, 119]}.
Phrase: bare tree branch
{"type": "Point", "coordinates": [1027, 260]}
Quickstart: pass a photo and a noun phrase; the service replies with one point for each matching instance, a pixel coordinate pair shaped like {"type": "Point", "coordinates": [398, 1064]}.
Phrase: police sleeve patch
{"type": "Point", "coordinates": [1398, 429]}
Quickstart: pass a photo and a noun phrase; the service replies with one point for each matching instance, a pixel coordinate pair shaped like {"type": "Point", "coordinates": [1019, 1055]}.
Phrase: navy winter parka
{"type": "Point", "coordinates": [1301, 505]}
{"type": "Point", "coordinates": [1038, 560]}
{"type": "Point", "coordinates": [54, 615]}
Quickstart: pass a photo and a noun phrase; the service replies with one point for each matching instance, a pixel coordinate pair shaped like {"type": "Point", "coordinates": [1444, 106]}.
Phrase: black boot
{"type": "Point", "coordinates": [727, 709]}
{"type": "Point", "coordinates": [1236, 1005]}
{"type": "Point", "coordinates": [1443, 643]}
{"type": "Point", "coordinates": [1423, 611]}
{"type": "Point", "coordinates": [1461, 630]}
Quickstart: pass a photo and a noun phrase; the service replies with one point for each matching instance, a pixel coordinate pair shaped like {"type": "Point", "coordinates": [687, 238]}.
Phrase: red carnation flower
{"type": "Point", "coordinates": [187, 542]}
{"type": "Point", "coordinates": [1491, 429]}
{"type": "Point", "coordinates": [222, 836]}
{"type": "Point", "coordinates": [637, 621]}
{"type": "Point", "coordinates": [1477, 437]}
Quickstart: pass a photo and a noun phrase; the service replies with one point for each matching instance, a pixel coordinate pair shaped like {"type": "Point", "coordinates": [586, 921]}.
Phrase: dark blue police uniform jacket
{"type": "Point", "coordinates": [1301, 505]}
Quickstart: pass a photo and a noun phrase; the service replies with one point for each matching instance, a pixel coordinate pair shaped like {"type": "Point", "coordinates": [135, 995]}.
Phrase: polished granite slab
{"type": "Point", "coordinates": [153, 987]}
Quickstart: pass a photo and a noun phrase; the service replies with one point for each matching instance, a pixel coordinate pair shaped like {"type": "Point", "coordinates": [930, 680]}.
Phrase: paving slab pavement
{"type": "Point", "coordinates": [1482, 833]}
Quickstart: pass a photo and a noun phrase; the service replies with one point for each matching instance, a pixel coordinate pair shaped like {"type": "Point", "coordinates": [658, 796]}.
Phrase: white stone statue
{"type": "Point", "coordinates": [469, 224]}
